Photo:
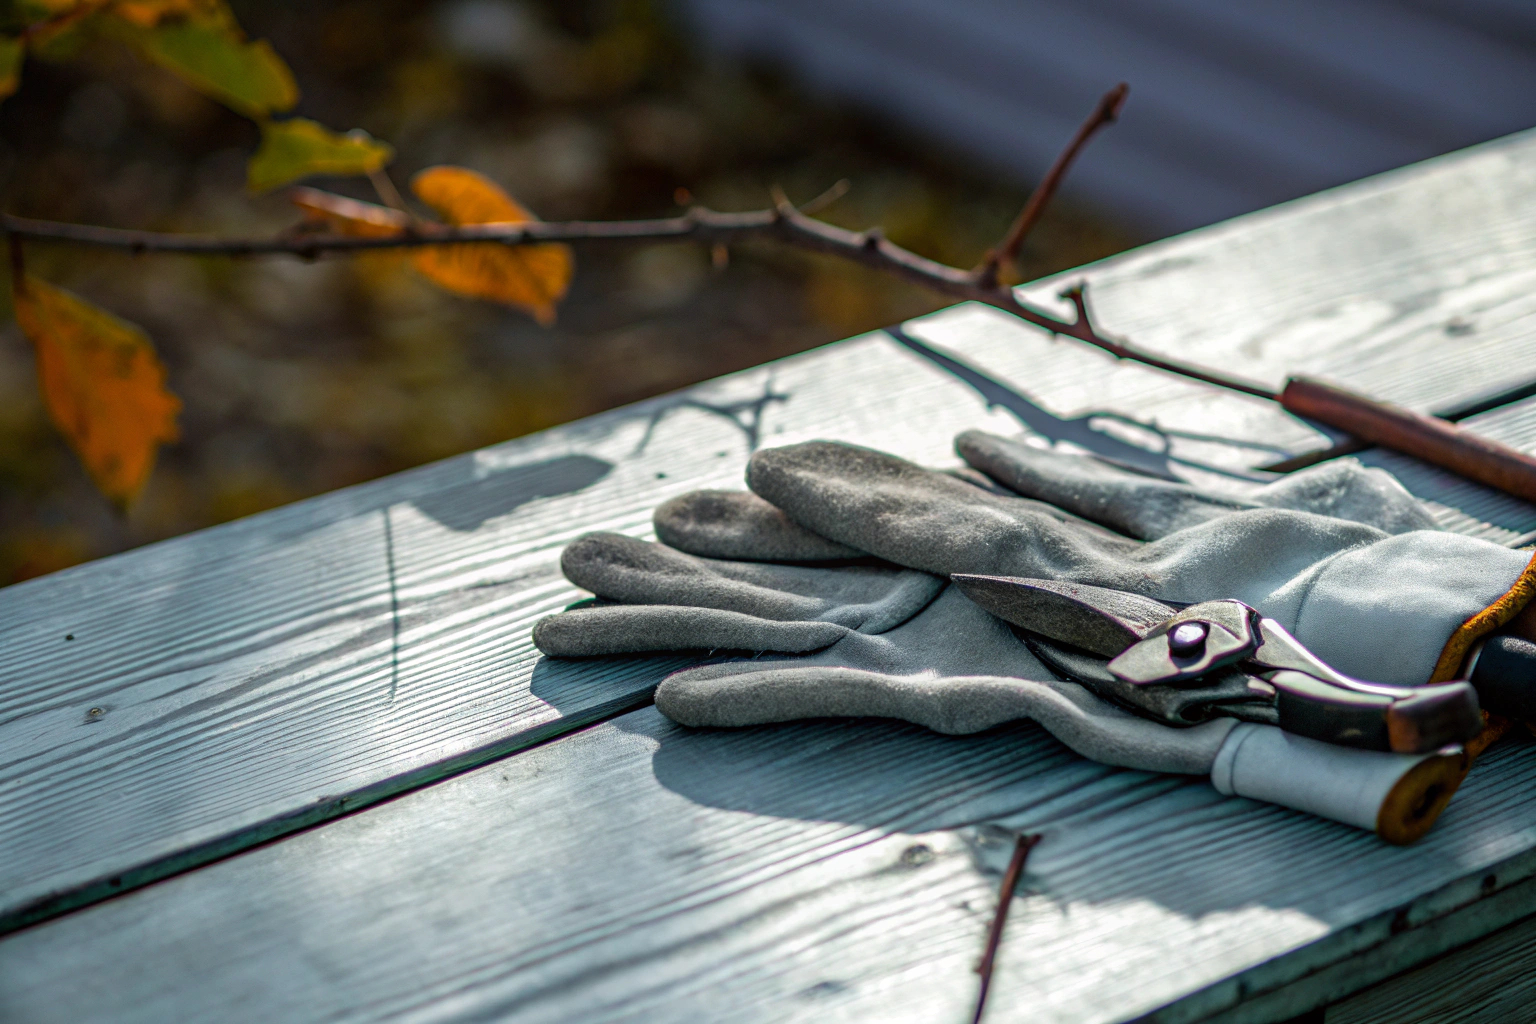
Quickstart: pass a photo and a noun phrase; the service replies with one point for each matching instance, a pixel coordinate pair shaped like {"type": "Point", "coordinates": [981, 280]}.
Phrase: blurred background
{"type": "Point", "coordinates": [299, 378]}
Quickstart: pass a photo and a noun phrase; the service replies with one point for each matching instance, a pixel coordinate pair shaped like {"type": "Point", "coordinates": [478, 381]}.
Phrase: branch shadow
{"type": "Point", "coordinates": [1098, 821]}
{"type": "Point", "coordinates": [1083, 431]}
{"type": "Point", "coordinates": [746, 414]}
{"type": "Point", "coordinates": [466, 507]}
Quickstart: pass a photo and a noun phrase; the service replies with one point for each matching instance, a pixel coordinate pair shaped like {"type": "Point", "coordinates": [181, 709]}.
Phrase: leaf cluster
{"type": "Point", "coordinates": [101, 381]}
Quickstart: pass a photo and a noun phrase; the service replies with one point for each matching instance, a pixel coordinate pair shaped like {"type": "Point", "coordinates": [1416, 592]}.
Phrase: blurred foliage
{"type": "Point", "coordinates": [303, 377]}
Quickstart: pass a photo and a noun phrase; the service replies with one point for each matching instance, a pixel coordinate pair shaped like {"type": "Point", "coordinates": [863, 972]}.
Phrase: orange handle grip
{"type": "Point", "coordinates": [1436, 441]}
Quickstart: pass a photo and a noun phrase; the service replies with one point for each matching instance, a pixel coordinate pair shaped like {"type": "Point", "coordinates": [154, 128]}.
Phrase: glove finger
{"type": "Point", "coordinates": [1135, 505]}
{"type": "Point", "coordinates": [913, 516]}
{"type": "Point", "coordinates": [740, 525]}
{"type": "Point", "coordinates": [737, 695]}
{"type": "Point", "coordinates": [633, 629]}
{"type": "Point", "coordinates": [929, 520]}
{"type": "Point", "coordinates": [1345, 489]}
{"type": "Point", "coordinates": [1144, 507]}
{"type": "Point", "coordinates": [870, 598]}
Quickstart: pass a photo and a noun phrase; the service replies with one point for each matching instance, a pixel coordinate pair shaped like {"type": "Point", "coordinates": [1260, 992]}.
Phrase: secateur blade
{"type": "Point", "coordinates": [1095, 619]}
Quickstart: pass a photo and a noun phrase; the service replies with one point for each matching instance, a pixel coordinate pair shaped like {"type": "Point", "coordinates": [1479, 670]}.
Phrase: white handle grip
{"type": "Point", "coordinates": [1397, 796]}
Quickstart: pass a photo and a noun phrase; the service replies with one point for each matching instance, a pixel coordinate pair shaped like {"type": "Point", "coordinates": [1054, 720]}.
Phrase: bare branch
{"type": "Point", "coordinates": [783, 223]}
{"type": "Point", "coordinates": [1007, 250]}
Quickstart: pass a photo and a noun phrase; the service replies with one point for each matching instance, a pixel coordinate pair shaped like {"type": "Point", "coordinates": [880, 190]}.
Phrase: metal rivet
{"type": "Point", "coordinates": [1187, 638]}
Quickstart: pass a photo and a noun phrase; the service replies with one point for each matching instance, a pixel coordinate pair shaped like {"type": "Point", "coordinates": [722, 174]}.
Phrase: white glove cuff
{"type": "Point", "coordinates": [1397, 796]}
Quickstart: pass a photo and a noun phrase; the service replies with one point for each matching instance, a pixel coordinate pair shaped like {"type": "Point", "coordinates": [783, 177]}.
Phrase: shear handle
{"type": "Point", "coordinates": [1278, 649]}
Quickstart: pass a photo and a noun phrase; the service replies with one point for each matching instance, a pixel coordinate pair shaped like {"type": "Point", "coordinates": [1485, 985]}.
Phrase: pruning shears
{"type": "Point", "coordinates": [1152, 643]}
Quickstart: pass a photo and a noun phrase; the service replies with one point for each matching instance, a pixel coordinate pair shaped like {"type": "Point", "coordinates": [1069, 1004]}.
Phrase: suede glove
{"type": "Point", "coordinates": [887, 642]}
{"type": "Point", "coordinates": [870, 639]}
{"type": "Point", "coordinates": [1341, 556]}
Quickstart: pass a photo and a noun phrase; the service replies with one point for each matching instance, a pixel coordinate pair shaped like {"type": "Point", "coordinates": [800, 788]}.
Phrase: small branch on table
{"type": "Point", "coordinates": [1010, 885]}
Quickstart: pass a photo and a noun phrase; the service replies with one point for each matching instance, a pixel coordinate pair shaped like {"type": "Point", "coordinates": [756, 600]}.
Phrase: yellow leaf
{"type": "Point", "coordinates": [11, 52]}
{"type": "Point", "coordinates": [348, 216]}
{"type": "Point", "coordinates": [103, 385]}
{"type": "Point", "coordinates": [215, 58]}
{"type": "Point", "coordinates": [533, 277]}
{"type": "Point", "coordinates": [299, 147]}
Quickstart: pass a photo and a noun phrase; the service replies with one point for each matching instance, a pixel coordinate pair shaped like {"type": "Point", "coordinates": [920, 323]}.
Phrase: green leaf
{"type": "Point", "coordinates": [299, 147]}
{"type": "Point", "coordinates": [11, 53]}
{"type": "Point", "coordinates": [217, 60]}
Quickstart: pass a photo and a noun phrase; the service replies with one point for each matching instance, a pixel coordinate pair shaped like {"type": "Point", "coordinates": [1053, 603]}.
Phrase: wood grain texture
{"type": "Point", "coordinates": [249, 680]}
{"type": "Point", "coordinates": [1489, 980]}
{"type": "Point", "coordinates": [638, 870]}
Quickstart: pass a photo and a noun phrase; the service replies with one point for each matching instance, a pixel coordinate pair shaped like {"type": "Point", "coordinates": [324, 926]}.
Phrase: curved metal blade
{"type": "Point", "coordinates": [1095, 619]}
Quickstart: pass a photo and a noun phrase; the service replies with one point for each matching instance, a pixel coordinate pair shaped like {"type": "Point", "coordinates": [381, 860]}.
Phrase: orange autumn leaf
{"type": "Point", "coordinates": [533, 277]}
{"type": "Point", "coordinates": [103, 385]}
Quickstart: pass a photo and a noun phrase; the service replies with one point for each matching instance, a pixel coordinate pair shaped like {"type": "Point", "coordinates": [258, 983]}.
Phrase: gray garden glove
{"type": "Point", "coordinates": [888, 642]}
{"type": "Point", "coordinates": [1376, 595]}
{"type": "Point", "coordinates": [899, 643]}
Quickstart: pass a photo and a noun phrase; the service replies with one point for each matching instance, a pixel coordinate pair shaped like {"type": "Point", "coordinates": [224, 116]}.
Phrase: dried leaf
{"type": "Point", "coordinates": [103, 385]}
{"type": "Point", "coordinates": [214, 57]}
{"type": "Point", "coordinates": [299, 147]}
{"type": "Point", "coordinates": [533, 277]}
{"type": "Point", "coordinates": [347, 216]}
{"type": "Point", "coordinates": [11, 53]}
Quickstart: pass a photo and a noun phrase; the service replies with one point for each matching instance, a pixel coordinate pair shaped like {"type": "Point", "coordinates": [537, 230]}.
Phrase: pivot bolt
{"type": "Point", "coordinates": [1187, 639]}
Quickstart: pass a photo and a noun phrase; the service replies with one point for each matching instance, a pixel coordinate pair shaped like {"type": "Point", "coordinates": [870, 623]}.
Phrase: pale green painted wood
{"type": "Point", "coordinates": [637, 870]}
{"type": "Point", "coordinates": [249, 680]}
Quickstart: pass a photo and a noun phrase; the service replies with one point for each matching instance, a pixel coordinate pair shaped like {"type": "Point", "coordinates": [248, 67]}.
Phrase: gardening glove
{"type": "Point", "coordinates": [1402, 608]}
{"type": "Point", "coordinates": [1148, 508]}
{"type": "Point", "coordinates": [899, 643]}
{"type": "Point", "coordinates": [740, 525]}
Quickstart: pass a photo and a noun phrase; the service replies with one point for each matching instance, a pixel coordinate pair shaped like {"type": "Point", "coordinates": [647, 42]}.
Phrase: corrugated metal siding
{"type": "Point", "coordinates": [1234, 105]}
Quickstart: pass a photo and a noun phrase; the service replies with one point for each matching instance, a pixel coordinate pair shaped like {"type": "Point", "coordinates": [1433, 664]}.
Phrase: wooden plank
{"type": "Point", "coordinates": [1489, 980]}
{"type": "Point", "coordinates": [846, 870]}
{"type": "Point", "coordinates": [249, 680]}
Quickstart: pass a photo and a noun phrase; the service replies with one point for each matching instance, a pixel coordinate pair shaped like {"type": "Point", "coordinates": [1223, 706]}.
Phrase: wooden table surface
{"type": "Point", "coordinates": [165, 708]}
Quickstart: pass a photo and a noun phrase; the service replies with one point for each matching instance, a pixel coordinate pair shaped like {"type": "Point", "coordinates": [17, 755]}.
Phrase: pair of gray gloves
{"type": "Point", "coordinates": [833, 571]}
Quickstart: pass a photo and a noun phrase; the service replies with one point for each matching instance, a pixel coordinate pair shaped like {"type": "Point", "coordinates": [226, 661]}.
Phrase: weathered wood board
{"type": "Point", "coordinates": [1488, 980]}
{"type": "Point", "coordinates": [638, 870]}
{"type": "Point", "coordinates": [249, 680]}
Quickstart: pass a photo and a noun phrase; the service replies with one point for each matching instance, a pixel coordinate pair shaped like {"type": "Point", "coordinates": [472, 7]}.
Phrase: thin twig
{"type": "Point", "coordinates": [838, 189]}
{"type": "Point", "coordinates": [1006, 251]}
{"type": "Point", "coordinates": [1011, 878]}
{"type": "Point", "coordinates": [385, 187]}
{"type": "Point", "coordinates": [784, 223]}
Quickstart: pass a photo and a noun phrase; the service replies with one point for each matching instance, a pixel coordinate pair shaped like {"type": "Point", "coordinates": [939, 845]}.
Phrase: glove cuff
{"type": "Point", "coordinates": [1495, 616]}
{"type": "Point", "coordinates": [1397, 796]}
